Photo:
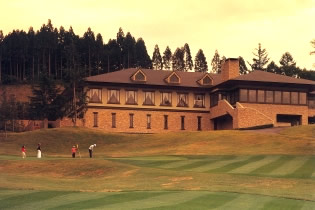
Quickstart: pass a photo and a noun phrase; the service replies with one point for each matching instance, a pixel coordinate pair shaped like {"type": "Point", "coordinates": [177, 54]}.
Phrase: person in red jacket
{"type": "Point", "coordinates": [74, 150]}
{"type": "Point", "coordinates": [23, 151]}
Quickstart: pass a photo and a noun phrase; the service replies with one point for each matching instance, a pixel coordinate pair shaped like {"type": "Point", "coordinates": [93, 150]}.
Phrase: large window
{"type": "Point", "coordinates": [113, 96]}
{"type": "Point", "coordinates": [131, 97]}
{"type": "Point", "coordinates": [261, 96]}
{"type": "Point", "coordinates": [148, 98]}
{"type": "Point", "coordinates": [278, 97]}
{"type": "Point", "coordinates": [214, 99]}
{"type": "Point", "coordinates": [285, 97]}
{"type": "Point", "coordinates": [166, 99]}
{"type": "Point", "coordinates": [182, 99]}
{"type": "Point", "coordinates": [294, 98]}
{"type": "Point", "coordinates": [243, 95]}
{"type": "Point", "coordinates": [269, 96]}
{"type": "Point", "coordinates": [302, 98]}
{"type": "Point", "coordinates": [199, 101]}
{"type": "Point", "coordinates": [96, 95]}
{"type": "Point", "coordinates": [252, 95]}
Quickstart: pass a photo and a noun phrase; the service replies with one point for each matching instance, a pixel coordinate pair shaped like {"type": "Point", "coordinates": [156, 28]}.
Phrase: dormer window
{"type": "Point", "coordinates": [206, 80]}
{"type": "Point", "coordinates": [139, 76]}
{"type": "Point", "coordinates": [173, 78]}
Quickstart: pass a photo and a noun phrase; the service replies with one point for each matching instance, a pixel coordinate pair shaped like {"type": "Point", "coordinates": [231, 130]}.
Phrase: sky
{"type": "Point", "coordinates": [233, 27]}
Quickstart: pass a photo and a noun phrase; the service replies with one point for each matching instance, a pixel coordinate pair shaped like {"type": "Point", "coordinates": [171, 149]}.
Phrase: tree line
{"type": "Point", "coordinates": [24, 56]}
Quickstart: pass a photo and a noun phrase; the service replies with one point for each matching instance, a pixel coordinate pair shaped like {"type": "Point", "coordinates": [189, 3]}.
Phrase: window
{"type": "Point", "coordinates": [243, 95]}
{"type": "Point", "coordinates": [96, 95]}
{"type": "Point", "coordinates": [148, 121]}
{"type": "Point", "coordinates": [95, 119]}
{"type": "Point", "coordinates": [294, 98]}
{"type": "Point", "coordinates": [261, 96]}
{"type": "Point", "coordinates": [285, 97]}
{"type": "Point", "coordinates": [131, 97]}
{"type": "Point", "coordinates": [302, 98]}
{"type": "Point", "coordinates": [174, 79]}
{"type": "Point", "coordinates": [277, 97]}
{"type": "Point", "coordinates": [269, 96]}
{"type": "Point", "coordinates": [182, 122]}
{"type": "Point", "coordinates": [113, 97]}
{"type": "Point", "coordinates": [131, 120]}
{"type": "Point", "coordinates": [252, 96]}
{"type": "Point", "coordinates": [166, 99]}
{"type": "Point", "coordinates": [199, 101]}
{"type": "Point", "coordinates": [207, 81]}
{"type": "Point", "coordinates": [214, 98]}
{"type": "Point", "coordinates": [148, 98]}
{"type": "Point", "coordinates": [139, 76]}
{"type": "Point", "coordinates": [113, 120]}
{"type": "Point", "coordinates": [165, 122]}
{"type": "Point", "coordinates": [199, 123]}
{"type": "Point", "coordinates": [182, 99]}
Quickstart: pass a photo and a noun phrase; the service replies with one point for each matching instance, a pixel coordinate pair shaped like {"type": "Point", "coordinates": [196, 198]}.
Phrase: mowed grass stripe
{"type": "Point", "coordinates": [247, 201]}
{"type": "Point", "coordinates": [4, 193]}
{"type": "Point", "coordinates": [99, 203]}
{"type": "Point", "coordinates": [290, 166]}
{"type": "Point", "coordinates": [306, 170]}
{"type": "Point", "coordinates": [177, 164]}
{"type": "Point", "coordinates": [29, 198]}
{"type": "Point", "coordinates": [63, 200]}
{"type": "Point", "coordinates": [268, 168]}
{"type": "Point", "coordinates": [284, 204]}
{"type": "Point", "coordinates": [205, 161]}
{"type": "Point", "coordinates": [210, 201]}
{"type": "Point", "coordinates": [235, 165]}
{"type": "Point", "coordinates": [219, 164]}
{"type": "Point", "coordinates": [166, 199]}
{"type": "Point", "coordinates": [308, 205]}
{"type": "Point", "coordinates": [254, 165]}
{"type": "Point", "coordinates": [146, 163]}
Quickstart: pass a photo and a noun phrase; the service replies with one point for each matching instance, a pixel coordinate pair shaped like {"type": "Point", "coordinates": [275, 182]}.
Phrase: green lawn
{"type": "Point", "coordinates": [207, 170]}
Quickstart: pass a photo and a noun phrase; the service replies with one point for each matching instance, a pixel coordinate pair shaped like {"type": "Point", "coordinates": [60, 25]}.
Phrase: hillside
{"type": "Point", "coordinates": [58, 142]}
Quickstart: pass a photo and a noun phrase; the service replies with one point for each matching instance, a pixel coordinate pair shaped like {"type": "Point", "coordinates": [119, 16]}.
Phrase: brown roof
{"type": "Point", "coordinates": [154, 77]}
{"type": "Point", "coordinates": [263, 76]}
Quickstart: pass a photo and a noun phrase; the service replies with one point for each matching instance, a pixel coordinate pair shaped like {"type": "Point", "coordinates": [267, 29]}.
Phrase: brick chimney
{"type": "Point", "coordinates": [230, 69]}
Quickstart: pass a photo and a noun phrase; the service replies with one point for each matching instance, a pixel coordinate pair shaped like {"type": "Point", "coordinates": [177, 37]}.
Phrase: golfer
{"type": "Point", "coordinates": [39, 152]}
{"type": "Point", "coordinates": [23, 151]}
{"type": "Point", "coordinates": [91, 149]}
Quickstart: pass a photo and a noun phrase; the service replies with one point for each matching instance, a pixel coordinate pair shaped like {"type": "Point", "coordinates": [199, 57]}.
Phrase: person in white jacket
{"type": "Point", "coordinates": [91, 149]}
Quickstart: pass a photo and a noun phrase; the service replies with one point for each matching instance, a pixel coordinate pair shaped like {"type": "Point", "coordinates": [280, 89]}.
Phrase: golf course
{"type": "Point", "coordinates": [179, 170]}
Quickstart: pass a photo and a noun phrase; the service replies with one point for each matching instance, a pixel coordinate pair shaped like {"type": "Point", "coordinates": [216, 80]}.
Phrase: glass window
{"type": "Point", "coordinates": [269, 96]}
{"type": "Point", "coordinates": [131, 97]}
{"type": "Point", "coordinates": [214, 98]}
{"type": "Point", "coordinates": [294, 98]}
{"type": "Point", "coordinates": [139, 77]}
{"type": "Point", "coordinates": [182, 99]}
{"type": "Point", "coordinates": [199, 123]}
{"type": "Point", "coordinates": [148, 98]}
{"type": "Point", "coordinates": [95, 119]}
{"type": "Point", "coordinates": [113, 97]}
{"type": "Point", "coordinates": [165, 122]}
{"type": "Point", "coordinates": [131, 120]}
{"type": "Point", "coordinates": [285, 97]}
{"type": "Point", "coordinates": [243, 95]}
{"type": "Point", "coordinates": [182, 122]}
{"type": "Point", "coordinates": [113, 120]}
{"type": "Point", "coordinates": [95, 95]}
{"type": "Point", "coordinates": [166, 99]}
{"type": "Point", "coordinates": [277, 97]}
{"type": "Point", "coordinates": [207, 81]}
{"type": "Point", "coordinates": [148, 121]}
{"type": "Point", "coordinates": [302, 98]}
{"type": "Point", "coordinates": [311, 103]}
{"type": "Point", "coordinates": [174, 79]}
{"type": "Point", "coordinates": [252, 96]}
{"type": "Point", "coordinates": [199, 101]}
{"type": "Point", "coordinates": [261, 96]}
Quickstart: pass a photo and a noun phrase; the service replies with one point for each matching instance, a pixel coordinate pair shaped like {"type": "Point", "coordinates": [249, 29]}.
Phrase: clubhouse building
{"type": "Point", "coordinates": [153, 101]}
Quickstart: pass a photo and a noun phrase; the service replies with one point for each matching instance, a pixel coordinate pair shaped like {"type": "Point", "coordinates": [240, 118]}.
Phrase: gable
{"type": "Point", "coordinates": [206, 80]}
{"type": "Point", "coordinates": [139, 76]}
{"type": "Point", "coordinates": [173, 78]}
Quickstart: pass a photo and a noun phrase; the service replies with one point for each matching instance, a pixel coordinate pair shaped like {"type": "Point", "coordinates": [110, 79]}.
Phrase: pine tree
{"type": "Point", "coordinates": [143, 60]}
{"type": "Point", "coordinates": [200, 62]}
{"type": "Point", "coordinates": [129, 51]}
{"type": "Point", "coordinates": [216, 63]}
{"type": "Point", "coordinates": [178, 60]}
{"type": "Point", "coordinates": [273, 68]}
{"type": "Point", "coordinates": [288, 65]}
{"type": "Point", "coordinates": [157, 59]}
{"type": "Point", "coordinates": [261, 60]}
{"type": "Point", "coordinates": [167, 58]}
{"type": "Point", "coordinates": [89, 47]}
{"type": "Point", "coordinates": [243, 67]}
{"type": "Point", "coordinates": [1, 46]}
{"type": "Point", "coordinates": [187, 58]}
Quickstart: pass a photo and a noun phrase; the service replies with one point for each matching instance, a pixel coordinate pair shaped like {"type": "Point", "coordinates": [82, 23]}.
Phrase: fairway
{"type": "Point", "coordinates": [173, 176]}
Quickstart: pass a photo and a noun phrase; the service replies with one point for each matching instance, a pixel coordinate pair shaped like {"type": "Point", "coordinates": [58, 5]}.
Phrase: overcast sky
{"type": "Point", "coordinates": [233, 27]}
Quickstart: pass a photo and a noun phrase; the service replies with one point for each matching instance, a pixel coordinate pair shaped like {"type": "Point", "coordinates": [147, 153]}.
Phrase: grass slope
{"type": "Point", "coordinates": [190, 170]}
